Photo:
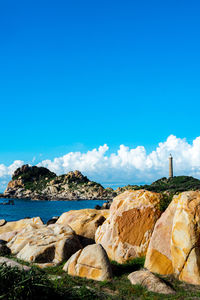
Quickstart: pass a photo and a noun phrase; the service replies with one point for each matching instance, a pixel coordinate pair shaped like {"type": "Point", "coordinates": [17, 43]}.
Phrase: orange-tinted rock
{"type": "Point", "coordinates": [158, 258]}
{"type": "Point", "coordinates": [10, 229]}
{"type": "Point", "coordinates": [91, 262]}
{"type": "Point", "coordinates": [185, 243]}
{"type": "Point", "coordinates": [175, 243]}
{"type": "Point", "coordinates": [15, 184]}
{"type": "Point", "coordinates": [127, 231]}
{"type": "Point", "coordinates": [84, 221]}
{"type": "Point", "coordinates": [45, 244]}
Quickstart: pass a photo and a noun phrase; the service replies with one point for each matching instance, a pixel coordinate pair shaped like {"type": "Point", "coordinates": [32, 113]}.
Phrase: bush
{"type": "Point", "coordinates": [17, 284]}
{"type": "Point", "coordinates": [35, 284]}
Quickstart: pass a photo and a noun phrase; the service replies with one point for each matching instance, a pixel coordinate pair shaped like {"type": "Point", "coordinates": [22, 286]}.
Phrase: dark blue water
{"type": "Point", "coordinates": [43, 209]}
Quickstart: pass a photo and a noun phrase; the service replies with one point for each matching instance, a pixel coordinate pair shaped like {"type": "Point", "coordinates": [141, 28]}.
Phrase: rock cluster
{"type": "Point", "coordinates": [132, 227]}
{"type": "Point", "coordinates": [45, 244]}
{"type": "Point", "coordinates": [39, 183]}
{"type": "Point", "coordinates": [10, 229]}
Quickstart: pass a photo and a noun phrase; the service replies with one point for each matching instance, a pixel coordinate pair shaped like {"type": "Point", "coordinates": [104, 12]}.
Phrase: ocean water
{"type": "Point", "coordinates": [43, 209]}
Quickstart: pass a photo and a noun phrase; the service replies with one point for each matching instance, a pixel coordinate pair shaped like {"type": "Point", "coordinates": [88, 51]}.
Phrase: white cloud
{"type": "Point", "coordinates": [126, 165]}
{"type": "Point", "coordinates": [6, 172]}
{"type": "Point", "coordinates": [132, 165]}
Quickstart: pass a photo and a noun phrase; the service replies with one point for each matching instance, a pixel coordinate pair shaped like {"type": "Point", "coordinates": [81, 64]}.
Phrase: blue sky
{"type": "Point", "coordinates": [75, 75]}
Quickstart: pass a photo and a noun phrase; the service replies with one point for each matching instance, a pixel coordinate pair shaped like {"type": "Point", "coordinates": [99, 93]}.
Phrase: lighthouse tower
{"type": "Point", "coordinates": [170, 166]}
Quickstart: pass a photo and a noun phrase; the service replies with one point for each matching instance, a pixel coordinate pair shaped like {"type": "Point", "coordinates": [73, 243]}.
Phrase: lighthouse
{"type": "Point", "coordinates": [170, 166]}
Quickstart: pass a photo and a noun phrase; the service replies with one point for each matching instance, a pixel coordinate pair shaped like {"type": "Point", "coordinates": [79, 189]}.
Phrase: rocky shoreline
{"type": "Point", "coordinates": [38, 183]}
{"type": "Point", "coordinates": [88, 240]}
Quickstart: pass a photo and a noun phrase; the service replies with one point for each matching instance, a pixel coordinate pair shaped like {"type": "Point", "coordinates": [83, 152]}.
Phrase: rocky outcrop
{"type": "Point", "coordinates": [10, 229]}
{"type": "Point", "coordinates": [84, 221]}
{"type": "Point", "coordinates": [39, 183]}
{"type": "Point", "coordinates": [151, 282]}
{"type": "Point", "coordinates": [175, 243]}
{"type": "Point", "coordinates": [91, 262]}
{"type": "Point", "coordinates": [44, 244]}
{"type": "Point", "coordinates": [127, 231]}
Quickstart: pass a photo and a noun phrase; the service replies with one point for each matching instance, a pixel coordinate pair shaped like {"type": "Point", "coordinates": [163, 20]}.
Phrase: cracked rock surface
{"type": "Point", "coordinates": [44, 244]}
{"type": "Point", "coordinates": [127, 231]}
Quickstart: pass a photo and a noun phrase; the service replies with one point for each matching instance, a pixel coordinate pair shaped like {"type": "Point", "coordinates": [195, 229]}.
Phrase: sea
{"type": "Point", "coordinates": [44, 209]}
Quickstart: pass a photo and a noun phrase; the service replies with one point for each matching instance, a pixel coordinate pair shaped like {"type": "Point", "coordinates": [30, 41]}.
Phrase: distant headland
{"type": "Point", "coordinates": [39, 183]}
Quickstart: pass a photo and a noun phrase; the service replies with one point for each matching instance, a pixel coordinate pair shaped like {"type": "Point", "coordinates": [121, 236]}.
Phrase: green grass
{"type": "Point", "coordinates": [54, 283]}
{"type": "Point", "coordinates": [15, 284]}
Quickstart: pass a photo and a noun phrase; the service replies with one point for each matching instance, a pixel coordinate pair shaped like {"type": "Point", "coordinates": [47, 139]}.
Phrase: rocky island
{"type": "Point", "coordinates": [39, 183]}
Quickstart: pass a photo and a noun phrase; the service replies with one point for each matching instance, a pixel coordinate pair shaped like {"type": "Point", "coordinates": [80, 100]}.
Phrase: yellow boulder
{"type": "Point", "coordinates": [127, 231]}
{"type": "Point", "coordinates": [10, 229]}
{"type": "Point", "coordinates": [84, 221]}
{"type": "Point", "coordinates": [91, 262]}
{"type": "Point", "coordinates": [45, 244]}
{"type": "Point", "coordinates": [175, 243]}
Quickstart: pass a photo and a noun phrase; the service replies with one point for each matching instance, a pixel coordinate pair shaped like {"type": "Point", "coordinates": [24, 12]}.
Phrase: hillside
{"type": "Point", "coordinates": [39, 183]}
{"type": "Point", "coordinates": [173, 185]}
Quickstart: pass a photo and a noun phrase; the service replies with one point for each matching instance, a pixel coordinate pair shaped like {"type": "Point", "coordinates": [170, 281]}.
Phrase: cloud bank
{"type": "Point", "coordinates": [126, 166]}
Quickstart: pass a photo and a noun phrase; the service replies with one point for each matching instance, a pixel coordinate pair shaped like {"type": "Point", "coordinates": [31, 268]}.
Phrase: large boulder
{"type": "Point", "coordinates": [45, 244]}
{"type": "Point", "coordinates": [10, 229]}
{"type": "Point", "coordinates": [175, 244]}
{"type": "Point", "coordinates": [127, 231]}
{"type": "Point", "coordinates": [84, 221]}
{"type": "Point", "coordinates": [91, 262]}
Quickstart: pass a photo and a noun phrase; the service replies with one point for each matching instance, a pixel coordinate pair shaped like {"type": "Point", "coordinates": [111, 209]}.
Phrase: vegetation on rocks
{"type": "Point", "coordinates": [39, 183]}
{"type": "Point", "coordinates": [168, 187]}
{"type": "Point", "coordinates": [176, 184]}
{"type": "Point", "coordinates": [27, 173]}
